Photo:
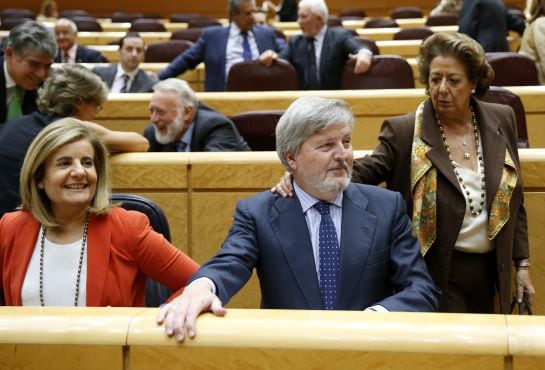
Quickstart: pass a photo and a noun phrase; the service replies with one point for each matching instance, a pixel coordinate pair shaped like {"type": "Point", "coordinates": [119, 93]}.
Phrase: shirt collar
{"type": "Point", "coordinates": [321, 34]}
{"type": "Point", "coordinates": [235, 31]}
{"type": "Point", "coordinates": [188, 135]}
{"type": "Point", "coordinates": [121, 72]}
{"type": "Point", "coordinates": [308, 201]}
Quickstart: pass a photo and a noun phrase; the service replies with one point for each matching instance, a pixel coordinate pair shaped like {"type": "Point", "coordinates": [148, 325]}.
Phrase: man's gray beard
{"type": "Point", "coordinates": [328, 185]}
{"type": "Point", "coordinates": [172, 131]}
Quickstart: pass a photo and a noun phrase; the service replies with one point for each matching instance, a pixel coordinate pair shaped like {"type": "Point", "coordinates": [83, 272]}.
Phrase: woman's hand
{"type": "Point", "coordinates": [524, 284]}
{"type": "Point", "coordinates": [284, 188]}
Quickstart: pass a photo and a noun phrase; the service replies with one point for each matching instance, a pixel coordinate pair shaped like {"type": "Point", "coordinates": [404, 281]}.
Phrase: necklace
{"type": "Point", "coordinates": [475, 212]}
{"type": "Point", "coordinates": [78, 276]}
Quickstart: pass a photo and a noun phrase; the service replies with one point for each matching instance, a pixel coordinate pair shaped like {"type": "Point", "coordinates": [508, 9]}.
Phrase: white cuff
{"type": "Point", "coordinates": [208, 281]}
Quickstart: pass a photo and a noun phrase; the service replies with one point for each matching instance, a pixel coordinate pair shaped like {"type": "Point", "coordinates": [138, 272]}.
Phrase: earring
{"type": "Point", "coordinates": [40, 185]}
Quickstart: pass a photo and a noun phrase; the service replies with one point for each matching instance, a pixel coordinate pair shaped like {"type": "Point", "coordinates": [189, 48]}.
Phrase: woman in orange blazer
{"type": "Point", "coordinates": [68, 246]}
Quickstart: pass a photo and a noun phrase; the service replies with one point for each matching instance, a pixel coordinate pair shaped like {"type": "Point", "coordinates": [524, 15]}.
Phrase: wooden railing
{"type": "Point", "coordinates": [129, 339]}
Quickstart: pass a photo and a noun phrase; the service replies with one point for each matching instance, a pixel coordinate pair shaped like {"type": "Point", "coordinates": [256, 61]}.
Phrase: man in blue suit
{"type": "Point", "coordinates": [221, 47]}
{"type": "Point", "coordinates": [334, 245]}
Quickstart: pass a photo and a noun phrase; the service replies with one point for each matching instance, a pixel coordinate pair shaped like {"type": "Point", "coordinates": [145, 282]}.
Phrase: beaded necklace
{"type": "Point", "coordinates": [474, 211]}
{"type": "Point", "coordinates": [78, 276]}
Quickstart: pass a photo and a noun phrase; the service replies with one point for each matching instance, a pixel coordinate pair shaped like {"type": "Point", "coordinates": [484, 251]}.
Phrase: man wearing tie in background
{"type": "Point", "coordinates": [66, 33]}
{"type": "Point", "coordinates": [221, 47]}
{"type": "Point", "coordinates": [126, 77]}
{"type": "Point", "coordinates": [319, 55]}
{"type": "Point", "coordinates": [334, 246]}
{"type": "Point", "coordinates": [29, 54]}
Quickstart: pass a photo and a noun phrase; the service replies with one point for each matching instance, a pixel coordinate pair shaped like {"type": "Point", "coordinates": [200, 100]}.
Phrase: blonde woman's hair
{"type": "Point", "coordinates": [52, 138]}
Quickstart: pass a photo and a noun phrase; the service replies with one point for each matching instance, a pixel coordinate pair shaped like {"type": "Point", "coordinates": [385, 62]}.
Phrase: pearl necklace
{"type": "Point", "coordinates": [81, 255]}
{"type": "Point", "coordinates": [475, 212]}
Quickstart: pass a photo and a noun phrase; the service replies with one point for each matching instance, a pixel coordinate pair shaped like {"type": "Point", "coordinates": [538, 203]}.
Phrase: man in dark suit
{"type": "Point", "coordinates": [126, 77]}
{"type": "Point", "coordinates": [221, 47]}
{"type": "Point", "coordinates": [179, 123]}
{"type": "Point", "coordinates": [334, 245]}
{"type": "Point", "coordinates": [488, 22]}
{"type": "Point", "coordinates": [66, 33]}
{"type": "Point", "coordinates": [319, 55]}
{"type": "Point", "coordinates": [29, 54]}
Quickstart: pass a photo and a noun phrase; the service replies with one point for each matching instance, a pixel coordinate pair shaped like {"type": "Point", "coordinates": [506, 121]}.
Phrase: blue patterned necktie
{"type": "Point", "coordinates": [246, 51]}
{"type": "Point", "coordinates": [328, 256]}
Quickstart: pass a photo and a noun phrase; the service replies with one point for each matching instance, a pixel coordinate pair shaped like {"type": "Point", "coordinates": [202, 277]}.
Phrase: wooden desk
{"type": "Point", "coordinates": [129, 339]}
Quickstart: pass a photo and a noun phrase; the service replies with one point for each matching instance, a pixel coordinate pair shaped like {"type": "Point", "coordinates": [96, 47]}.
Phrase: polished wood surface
{"type": "Point", "coordinates": [267, 339]}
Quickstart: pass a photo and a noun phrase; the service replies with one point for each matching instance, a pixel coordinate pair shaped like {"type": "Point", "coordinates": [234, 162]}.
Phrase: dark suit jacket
{"type": "Point", "coordinates": [122, 251]}
{"type": "Point", "coordinates": [16, 135]}
{"type": "Point", "coordinates": [210, 49]}
{"type": "Point", "coordinates": [391, 162]}
{"type": "Point", "coordinates": [141, 83]}
{"type": "Point", "coordinates": [84, 55]}
{"type": "Point", "coordinates": [213, 132]}
{"type": "Point", "coordinates": [380, 259]}
{"type": "Point", "coordinates": [338, 43]}
{"type": "Point", "coordinates": [288, 11]}
{"type": "Point", "coordinates": [488, 21]}
{"type": "Point", "coordinates": [29, 100]}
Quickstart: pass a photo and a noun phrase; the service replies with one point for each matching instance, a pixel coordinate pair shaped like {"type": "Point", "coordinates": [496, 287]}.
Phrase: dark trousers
{"type": "Point", "coordinates": [471, 284]}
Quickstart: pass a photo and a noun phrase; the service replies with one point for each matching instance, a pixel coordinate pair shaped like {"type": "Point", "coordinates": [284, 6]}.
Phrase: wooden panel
{"type": "Point", "coordinates": [235, 358]}
{"type": "Point", "coordinates": [60, 357]}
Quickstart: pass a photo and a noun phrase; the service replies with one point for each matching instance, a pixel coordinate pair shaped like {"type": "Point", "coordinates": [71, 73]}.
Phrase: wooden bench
{"type": "Point", "coordinates": [199, 191]}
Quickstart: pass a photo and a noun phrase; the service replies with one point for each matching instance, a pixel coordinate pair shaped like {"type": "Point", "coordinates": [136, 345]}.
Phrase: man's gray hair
{"type": "Point", "coordinates": [305, 117]}
{"type": "Point", "coordinates": [32, 38]}
{"type": "Point", "coordinates": [185, 93]}
{"type": "Point", "coordinates": [233, 6]}
{"type": "Point", "coordinates": [317, 7]}
{"type": "Point", "coordinates": [67, 22]}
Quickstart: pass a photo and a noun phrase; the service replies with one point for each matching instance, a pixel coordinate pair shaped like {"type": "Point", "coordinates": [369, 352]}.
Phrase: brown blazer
{"type": "Point", "coordinates": [390, 162]}
{"type": "Point", "coordinates": [122, 251]}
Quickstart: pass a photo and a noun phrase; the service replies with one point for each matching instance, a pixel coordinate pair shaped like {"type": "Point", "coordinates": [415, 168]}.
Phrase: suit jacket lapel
{"type": "Point", "coordinates": [291, 230]}
{"type": "Point", "coordinates": [3, 93]}
{"type": "Point", "coordinates": [494, 146]}
{"type": "Point", "coordinates": [437, 154]}
{"type": "Point", "coordinates": [357, 234]}
{"type": "Point", "coordinates": [110, 75]}
{"type": "Point", "coordinates": [98, 256]}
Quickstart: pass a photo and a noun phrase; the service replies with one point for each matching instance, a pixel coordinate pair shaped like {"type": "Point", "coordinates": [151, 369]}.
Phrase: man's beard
{"type": "Point", "coordinates": [327, 183]}
{"type": "Point", "coordinates": [172, 131]}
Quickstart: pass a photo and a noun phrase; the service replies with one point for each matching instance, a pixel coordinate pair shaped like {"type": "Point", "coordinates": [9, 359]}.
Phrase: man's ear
{"type": "Point", "coordinates": [188, 113]}
{"type": "Point", "coordinates": [290, 158]}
